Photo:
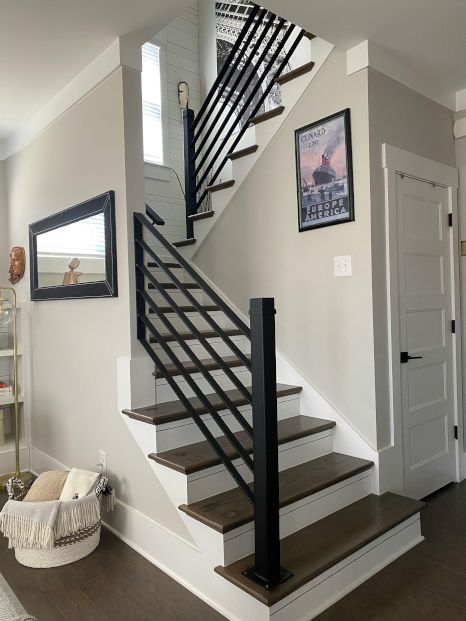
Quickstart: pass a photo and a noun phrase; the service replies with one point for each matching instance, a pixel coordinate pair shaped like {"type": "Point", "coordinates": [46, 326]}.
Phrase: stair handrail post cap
{"type": "Point", "coordinates": [262, 306]}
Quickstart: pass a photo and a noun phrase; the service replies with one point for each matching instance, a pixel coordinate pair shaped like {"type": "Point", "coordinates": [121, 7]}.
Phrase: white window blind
{"type": "Point", "coordinates": [152, 104]}
{"type": "Point", "coordinates": [85, 238]}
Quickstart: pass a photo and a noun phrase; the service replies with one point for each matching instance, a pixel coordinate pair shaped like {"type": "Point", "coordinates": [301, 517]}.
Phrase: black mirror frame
{"type": "Point", "coordinates": [104, 203]}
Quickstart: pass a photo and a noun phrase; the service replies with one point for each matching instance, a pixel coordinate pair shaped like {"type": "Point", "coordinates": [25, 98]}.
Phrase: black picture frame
{"type": "Point", "coordinates": [104, 203]}
{"type": "Point", "coordinates": [324, 192]}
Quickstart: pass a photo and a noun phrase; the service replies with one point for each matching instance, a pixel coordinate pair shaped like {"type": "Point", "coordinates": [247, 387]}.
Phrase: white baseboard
{"type": "Point", "coordinates": [8, 460]}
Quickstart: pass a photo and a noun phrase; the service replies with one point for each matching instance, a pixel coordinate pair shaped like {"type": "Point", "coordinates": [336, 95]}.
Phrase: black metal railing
{"type": "Point", "coordinates": [152, 248]}
{"type": "Point", "coordinates": [261, 53]}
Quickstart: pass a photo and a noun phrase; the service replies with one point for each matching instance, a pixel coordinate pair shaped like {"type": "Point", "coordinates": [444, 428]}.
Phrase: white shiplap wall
{"type": "Point", "coordinates": [180, 62]}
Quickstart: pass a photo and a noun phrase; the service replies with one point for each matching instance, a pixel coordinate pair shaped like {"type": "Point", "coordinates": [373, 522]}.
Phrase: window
{"type": "Point", "coordinates": [152, 104]}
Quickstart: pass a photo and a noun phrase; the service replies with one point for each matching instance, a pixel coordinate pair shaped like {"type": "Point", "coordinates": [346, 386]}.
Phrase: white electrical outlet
{"type": "Point", "coordinates": [342, 266]}
{"type": "Point", "coordinates": [103, 461]}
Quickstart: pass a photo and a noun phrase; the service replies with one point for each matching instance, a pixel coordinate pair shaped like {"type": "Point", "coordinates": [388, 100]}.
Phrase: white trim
{"type": "Point", "coordinates": [422, 168]}
{"type": "Point", "coordinates": [157, 171]}
{"type": "Point", "coordinates": [368, 54]}
{"type": "Point", "coordinates": [459, 128]}
{"type": "Point", "coordinates": [395, 160]}
{"type": "Point", "coordinates": [118, 54]}
{"type": "Point", "coordinates": [461, 100]}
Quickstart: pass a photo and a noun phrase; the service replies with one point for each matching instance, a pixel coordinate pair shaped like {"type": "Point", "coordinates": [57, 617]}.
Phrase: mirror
{"type": "Point", "coordinates": [73, 253]}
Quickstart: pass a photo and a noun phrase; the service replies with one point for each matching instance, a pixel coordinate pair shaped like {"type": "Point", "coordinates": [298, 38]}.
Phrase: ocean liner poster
{"type": "Point", "coordinates": [324, 172]}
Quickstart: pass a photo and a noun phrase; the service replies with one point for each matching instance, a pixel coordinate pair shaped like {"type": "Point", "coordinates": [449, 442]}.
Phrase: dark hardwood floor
{"type": "Point", "coordinates": [426, 584]}
{"type": "Point", "coordinates": [115, 583]}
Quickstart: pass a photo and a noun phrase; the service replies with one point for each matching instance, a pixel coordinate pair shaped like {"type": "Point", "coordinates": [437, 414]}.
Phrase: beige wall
{"type": "Point", "coordinates": [3, 228]}
{"type": "Point", "coordinates": [95, 146]}
{"type": "Point", "coordinates": [324, 324]}
{"type": "Point", "coordinates": [405, 119]}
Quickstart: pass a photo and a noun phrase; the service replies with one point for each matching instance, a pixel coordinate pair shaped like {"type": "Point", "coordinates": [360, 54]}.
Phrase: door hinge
{"type": "Point", "coordinates": [453, 326]}
{"type": "Point", "coordinates": [456, 432]}
{"type": "Point", "coordinates": [450, 219]}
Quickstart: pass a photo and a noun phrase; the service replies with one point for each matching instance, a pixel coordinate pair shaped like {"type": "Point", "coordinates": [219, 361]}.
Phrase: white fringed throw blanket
{"type": "Point", "coordinates": [36, 525]}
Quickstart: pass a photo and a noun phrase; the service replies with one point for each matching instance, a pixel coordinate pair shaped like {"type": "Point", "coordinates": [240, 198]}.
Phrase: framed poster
{"type": "Point", "coordinates": [324, 172]}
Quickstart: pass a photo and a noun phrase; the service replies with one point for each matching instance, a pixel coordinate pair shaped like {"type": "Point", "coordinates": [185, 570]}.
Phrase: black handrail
{"type": "Point", "coordinates": [256, 109]}
{"type": "Point", "coordinates": [263, 493]}
{"type": "Point", "coordinates": [242, 87]}
{"type": "Point", "coordinates": [242, 91]}
{"type": "Point", "coordinates": [221, 333]}
{"type": "Point", "coordinates": [208, 435]}
{"type": "Point", "coordinates": [181, 341]}
{"type": "Point", "coordinates": [230, 314]}
{"type": "Point", "coordinates": [231, 88]}
{"type": "Point", "coordinates": [230, 61]}
{"type": "Point", "coordinates": [192, 384]}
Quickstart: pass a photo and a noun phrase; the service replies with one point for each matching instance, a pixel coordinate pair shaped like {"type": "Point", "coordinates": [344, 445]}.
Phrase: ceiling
{"type": "Point", "coordinates": [427, 37]}
{"type": "Point", "coordinates": [44, 44]}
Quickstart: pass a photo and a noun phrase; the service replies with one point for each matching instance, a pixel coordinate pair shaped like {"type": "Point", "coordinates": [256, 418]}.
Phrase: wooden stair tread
{"type": "Point", "coordinates": [184, 242]}
{"type": "Point", "coordinates": [318, 547]}
{"type": "Point", "coordinates": [235, 155]}
{"type": "Point", "coordinates": [189, 309]}
{"type": "Point", "coordinates": [295, 73]}
{"type": "Point", "coordinates": [209, 363]}
{"type": "Point", "coordinates": [260, 118]}
{"type": "Point", "coordinates": [169, 264]}
{"type": "Point", "coordinates": [198, 456]}
{"type": "Point", "coordinates": [189, 336]}
{"type": "Point", "coordinates": [228, 510]}
{"type": "Point", "coordinates": [172, 285]}
{"type": "Point", "coordinates": [202, 215]}
{"type": "Point", "coordinates": [216, 187]}
{"type": "Point", "coordinates": [174, 410]}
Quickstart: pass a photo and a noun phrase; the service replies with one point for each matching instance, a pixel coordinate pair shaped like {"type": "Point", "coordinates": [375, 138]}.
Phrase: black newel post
{"type": "Point", "coordinates": [139, 260]}
{"type": "Point", "coordinates": [267, 570]}
{"type": "Point", "coordinates": [189, 170]}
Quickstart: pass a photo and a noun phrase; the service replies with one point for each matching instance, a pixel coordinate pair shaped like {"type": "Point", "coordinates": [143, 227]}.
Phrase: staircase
{"type": "Point", "coordinates": [284, 525]}
{"type": "Point", "coordinates": [232, 129]}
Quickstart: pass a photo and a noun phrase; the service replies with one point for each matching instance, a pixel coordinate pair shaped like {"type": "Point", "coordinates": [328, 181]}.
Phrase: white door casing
{"type": "Point", "coordinates": [425, 315]}
{"type": "Point", "coordinates": [419, 335]}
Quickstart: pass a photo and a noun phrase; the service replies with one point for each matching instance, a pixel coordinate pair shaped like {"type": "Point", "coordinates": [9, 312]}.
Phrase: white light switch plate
{"type": "Point", "coordinates": [342, 266]}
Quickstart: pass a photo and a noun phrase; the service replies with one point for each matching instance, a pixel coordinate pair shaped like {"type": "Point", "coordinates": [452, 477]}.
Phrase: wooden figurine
{"type": "Point", "coordinates": [17, 264]}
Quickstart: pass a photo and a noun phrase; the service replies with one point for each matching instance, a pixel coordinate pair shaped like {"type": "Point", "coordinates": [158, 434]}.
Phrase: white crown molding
{"type": "Point", "coordinates": [461, 100]}
{"type": "Point", "coordinates": [367, 54]}
{"type": "Point", "coordinates": [459, 128]}
{"type": "Point", "coordinates": [123, 52]}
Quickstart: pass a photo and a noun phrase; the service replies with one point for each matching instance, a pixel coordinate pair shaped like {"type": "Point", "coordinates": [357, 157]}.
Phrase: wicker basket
{"type": "Point", "coordinates": [66, 550]}
{"type": "Point", "coordinates": [69, 549]}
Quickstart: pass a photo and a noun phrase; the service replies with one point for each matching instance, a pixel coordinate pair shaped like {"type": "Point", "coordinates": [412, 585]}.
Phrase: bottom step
{"type": "Point", "coordinates": [318, 547]}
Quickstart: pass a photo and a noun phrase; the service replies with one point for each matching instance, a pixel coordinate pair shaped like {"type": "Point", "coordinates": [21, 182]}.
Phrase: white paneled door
{"type": "Point", "coordinates": [426, 357]}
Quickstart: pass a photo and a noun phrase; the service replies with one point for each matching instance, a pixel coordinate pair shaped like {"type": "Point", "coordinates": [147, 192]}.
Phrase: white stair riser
{"type": "Point", "coordinates": [184, 489]}
{"type": "Point", "coordinates": [183, 432]}
{"type": "Point", "coordinates": [301, 514]}
{"type": "Point", "coordinates": [196, 318]}
{"type": "Point", "coordinates": [223, 549]}
{"type": "Point", "coordinates": [164, 393]}
{"type": "Point", "coordinates": [211, 481]}
{"type": "Point", "coordinates": [218, 345]}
